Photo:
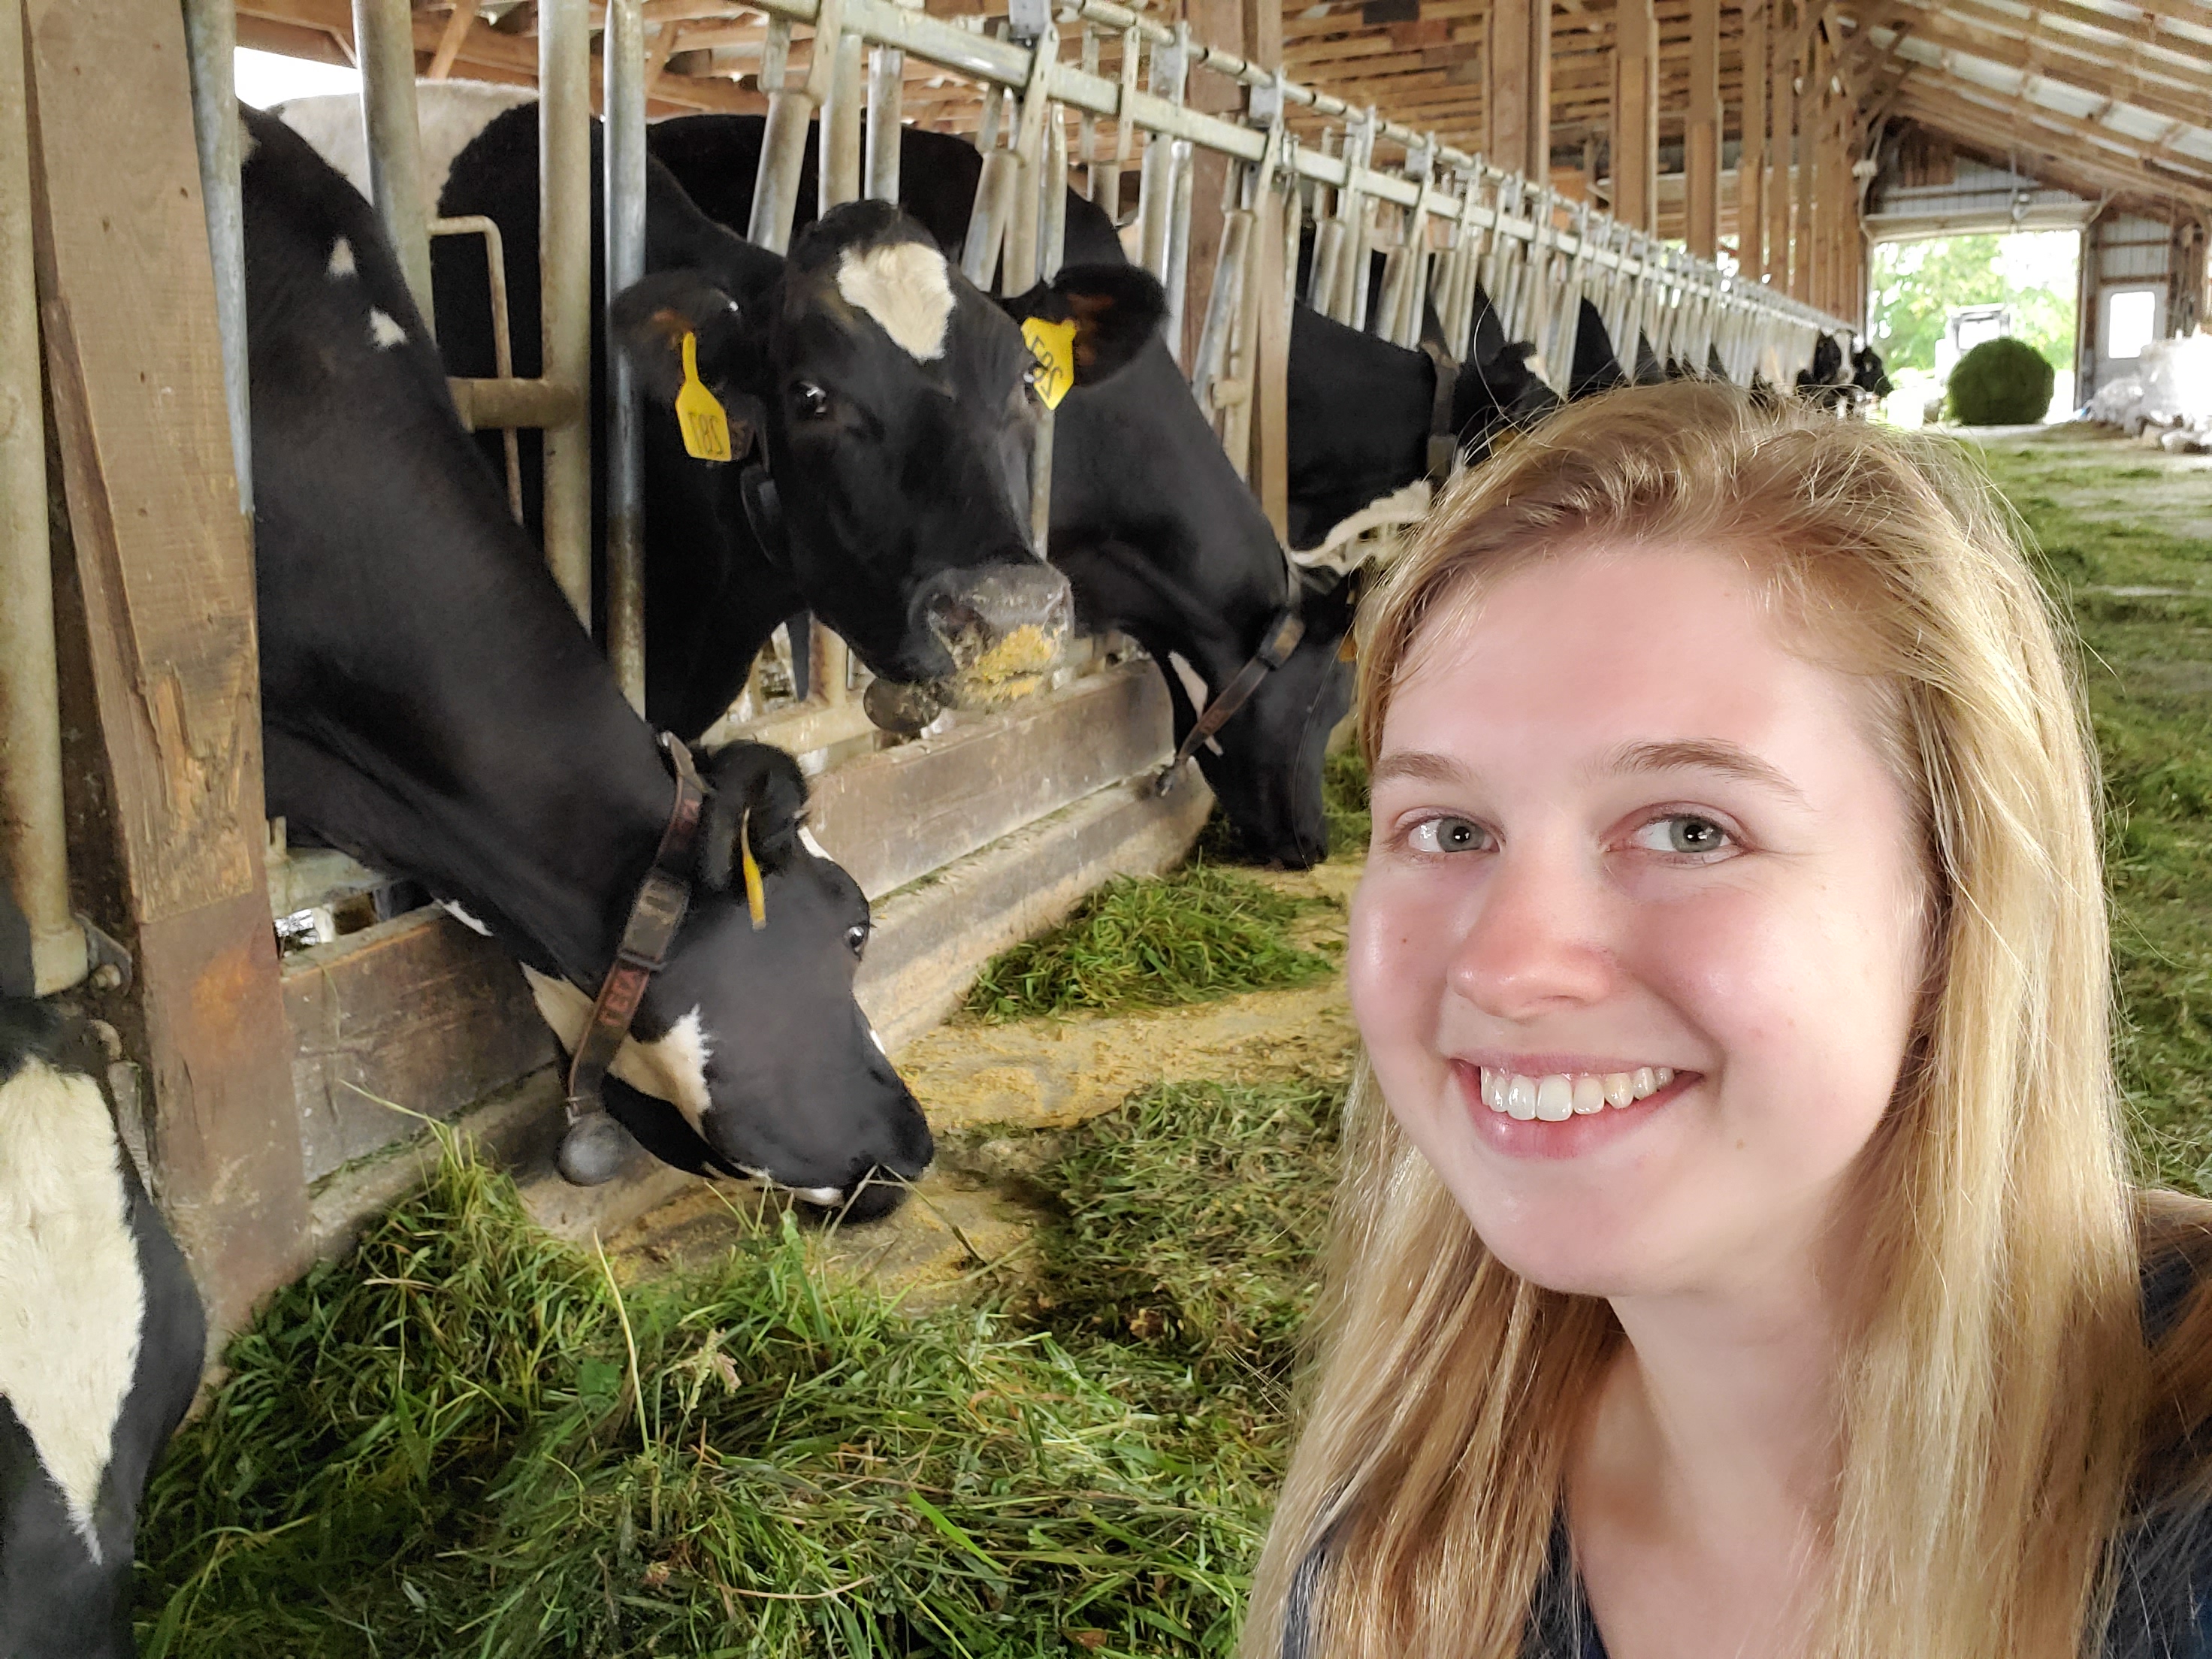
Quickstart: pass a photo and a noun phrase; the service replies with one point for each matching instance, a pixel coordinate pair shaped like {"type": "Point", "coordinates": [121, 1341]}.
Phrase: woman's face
{"type": "Point", "coordinates": [1637, 950]}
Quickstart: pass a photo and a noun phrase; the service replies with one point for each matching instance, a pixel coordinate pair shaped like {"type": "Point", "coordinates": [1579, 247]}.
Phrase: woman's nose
{"type": "Point", "coordinates": [1537, 944]}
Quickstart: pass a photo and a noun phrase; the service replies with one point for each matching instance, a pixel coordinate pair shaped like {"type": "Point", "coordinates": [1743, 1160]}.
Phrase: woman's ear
{"type": "Point", "coordinates": [755, 789]}
{"type": "Point", "coordinates": [1117, 310]}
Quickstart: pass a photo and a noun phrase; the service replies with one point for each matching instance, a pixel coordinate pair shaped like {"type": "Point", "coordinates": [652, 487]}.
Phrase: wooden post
{"type": "Point", "coordinates": [1782, 114]}
{"type": "Point", "coordinates": [1701, 132]}
{"type": "Point", "coordinates": [1635, 114]}
{"type": "Point", "coordinates": [1806, 179]}
{"type": "Point", "coordinates": [158, 608]}
{"type": "Point", "coordinates": [1751, 156]}
{"type": "Point", "coordinates": [1517, 93]}
{"type": "Point", "coordinates": [1266, 275]}
{"type": "Point", "coordinates": [1213, 23]}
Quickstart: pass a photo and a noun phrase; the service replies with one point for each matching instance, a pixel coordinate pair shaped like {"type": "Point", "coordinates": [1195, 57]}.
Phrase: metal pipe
{"type": "Point", "coordinates": [886, 94]}
{"type": "Point", "coordinates": [211, 41]}
{"type": "Point", "coordinates": [1052, 238]}
{"type": "Point", "coordinates": [34, 841]}
{"type": "Point", "coordinates": [564, 264]}
{"type": "Point", "coordinates": [783, 145]}
{"type": "Point", "coordinates": [502, 353]}
{"type": "Point", "coordinates": [1177, 279]}
{"type": "Point", "coordinates": [986, 218]}
{"type": "Point", "coordinates": [384, 45]}
{"type": "Point", "coordinates": [837, 165]}
{"type": "Point", "coordinates": [622, 193]}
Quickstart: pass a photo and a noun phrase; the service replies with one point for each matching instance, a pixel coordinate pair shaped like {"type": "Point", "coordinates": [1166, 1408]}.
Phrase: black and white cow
{"type": "Point", "coordinates": [1161, 539]}
{"type": "Point", "coordinates": [1361, 410]}
{"type": "Point", "coordinates": [430, 706]}
{"type": "Point", "coordinates": [101, 1334]}
{"type": "Point", "coordinates": [891, 399]}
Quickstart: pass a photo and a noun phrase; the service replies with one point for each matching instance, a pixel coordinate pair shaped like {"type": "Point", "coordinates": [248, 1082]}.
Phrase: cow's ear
{"type": "Point", "coordinates": [1116, 309]}
{"type": "Point", "coordinates": [652, 315]}
{"type": "Point", "coordinates": [756, 791]}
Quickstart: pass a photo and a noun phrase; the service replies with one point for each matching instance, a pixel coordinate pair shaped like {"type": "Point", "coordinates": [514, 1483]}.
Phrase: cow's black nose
{"type": "Point", "coordinates": [1004, 627]}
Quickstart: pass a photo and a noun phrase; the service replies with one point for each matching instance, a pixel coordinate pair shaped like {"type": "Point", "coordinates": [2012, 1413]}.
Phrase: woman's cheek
{"type": "Point", "coordinates": [1397, 948]}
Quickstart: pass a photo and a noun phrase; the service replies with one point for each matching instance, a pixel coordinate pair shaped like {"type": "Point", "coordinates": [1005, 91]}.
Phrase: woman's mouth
{"type": "Point", "coordinates": [1556, 1096]}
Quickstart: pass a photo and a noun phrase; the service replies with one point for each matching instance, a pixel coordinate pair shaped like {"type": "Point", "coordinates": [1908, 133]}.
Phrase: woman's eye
{"type": "Point", "coordinates": [1683, 833]}
{"type": "Point", "coordinates": [1446, 836]}
{"type": "Point", "coordinates": [811, 402]}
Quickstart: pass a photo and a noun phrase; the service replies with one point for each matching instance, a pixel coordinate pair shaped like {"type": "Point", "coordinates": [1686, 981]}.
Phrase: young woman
{"type": "Point", "coordinates": [1735, 1256]}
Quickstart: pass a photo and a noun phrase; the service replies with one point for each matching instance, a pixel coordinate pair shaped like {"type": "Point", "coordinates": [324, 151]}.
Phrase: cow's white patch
{"type": "Point", "coordinates": [672, 1068]}
{"type": "Point", "coordinates": [876, 1037]}
{"type": "Point", "coordinates": [340, 259]}
{"type": "Point", "coordinates": [1194, 688]}
{"type": "Point", "coordinates": [824, 1196]}
{"type": "Point", "coordinates": [448, 113]}
{"type": "Point", "coordinates": [462, 916]}
{"type": "Point", "coordinates": [383, 332]}
{"type": "Point", "coordinates": [247, 143]}
{"type": "Point", "coordinates": [71, 1299]}
{"type": "Point", "coordinates": [806, 840]}
{"type": "Point", "coordinates": [905, 287]}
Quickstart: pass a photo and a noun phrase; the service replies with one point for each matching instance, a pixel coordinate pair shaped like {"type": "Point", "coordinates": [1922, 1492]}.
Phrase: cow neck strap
{"type": "Point", "coordinates": [663, 897]}
{"type": "Point", "coordinates": [1443, 436]}
{"type": "Point", "coordinates": [1285, 630]}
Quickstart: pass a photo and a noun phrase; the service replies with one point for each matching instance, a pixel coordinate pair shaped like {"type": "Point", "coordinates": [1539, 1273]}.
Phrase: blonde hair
{"type": "Point", "coordinates": [1995, 1367]}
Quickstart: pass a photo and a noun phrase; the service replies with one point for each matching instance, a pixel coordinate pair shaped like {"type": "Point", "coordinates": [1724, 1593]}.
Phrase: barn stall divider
{"type": "Point", "coordinates": [261, 1091]}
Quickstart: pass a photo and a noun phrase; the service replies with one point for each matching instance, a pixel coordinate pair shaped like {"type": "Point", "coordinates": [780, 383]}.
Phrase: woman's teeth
{"type": "Point", "coordinates": [1556, 1098]}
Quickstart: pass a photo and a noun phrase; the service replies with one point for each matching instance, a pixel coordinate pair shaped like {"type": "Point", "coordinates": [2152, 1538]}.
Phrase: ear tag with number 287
{"type": "Point", "coordinates": [699, 412]}
{"type": "Point", "coordinates": [1055, 346]}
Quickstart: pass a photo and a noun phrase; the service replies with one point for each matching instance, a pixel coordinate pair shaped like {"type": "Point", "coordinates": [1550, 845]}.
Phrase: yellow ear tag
{"type": "Point", "coordinates": [1055, 346]}
{"type": "Point", "coordinates": [756, 893]}
{"type": "Point", "coordinates": [705, 428]}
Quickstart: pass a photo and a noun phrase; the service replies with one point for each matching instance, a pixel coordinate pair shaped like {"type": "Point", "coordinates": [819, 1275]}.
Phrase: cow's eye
{"type": "Point", "coordinates": [809, 401]}
{"type": "Point", "coordinates": [856, 939]}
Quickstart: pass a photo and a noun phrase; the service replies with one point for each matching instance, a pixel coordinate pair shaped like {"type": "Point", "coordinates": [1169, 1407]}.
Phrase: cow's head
{"type": "Point", "coordinates": [1870, 374]}
{"type": "Point", "coordinates": [749, 1053]}
{"type": "Point", "coordinates": [1265, 764]}
{"type": "Point", "coordinates": [900, 412]}
{"type": "Point", "coordinates": [1496, 389]}
{"type": "Point", "coordinates": [1596, 364]}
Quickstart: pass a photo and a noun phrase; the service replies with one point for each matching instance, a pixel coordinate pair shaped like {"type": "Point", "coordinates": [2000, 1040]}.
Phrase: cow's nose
{"type": "Point", "coordinates": [1004, 625]}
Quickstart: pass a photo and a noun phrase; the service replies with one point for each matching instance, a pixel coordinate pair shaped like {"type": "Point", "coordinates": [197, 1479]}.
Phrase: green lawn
{"type": "Point", "coordinates": [2124, 533]}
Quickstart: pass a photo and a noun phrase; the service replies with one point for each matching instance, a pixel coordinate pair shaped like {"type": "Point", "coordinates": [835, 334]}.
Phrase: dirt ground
{"type": "Point", "coordinates": [997, 1096]}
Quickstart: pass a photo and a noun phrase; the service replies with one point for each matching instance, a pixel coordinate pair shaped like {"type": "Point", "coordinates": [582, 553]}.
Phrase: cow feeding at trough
{"type": "Point", "coordinates": [102, 1333]}
{"type": "Point", "coordinates": [431, 707]}
{"type": "Point", "coordinates": [893, 407]}
{"type": "Point", "coordinates": [1161, 539]}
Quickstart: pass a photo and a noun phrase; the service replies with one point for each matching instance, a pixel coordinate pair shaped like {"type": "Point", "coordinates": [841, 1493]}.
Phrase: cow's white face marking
{"type": "Point", "coordinates": [464, 917]}
{"type": "Point", "coordinates": [1193, 688]}
{"type": "Point", "coordinates": [383, 332]}
{"type": "Point", "coordinates": [905, 287]}
{"type": "Point", "coordinates": [340, 259]}
{"type": "Point", "coordinates": [448, 113]}
{"type": "Point", "coordinates": [72, 1301]}
{"type": "Point", "coordinates": [672, 1068]}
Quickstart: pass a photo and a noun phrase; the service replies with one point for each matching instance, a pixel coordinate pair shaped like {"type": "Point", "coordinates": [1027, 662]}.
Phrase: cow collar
{"type": "Point", "coordinates": [764, 514]}
{"type": "Point", "coordinates": [1284, 631]}
{"type": "Point", "coordinates": [1443, 436]}
{"type": "Point", "coordinates": [592, 1148]}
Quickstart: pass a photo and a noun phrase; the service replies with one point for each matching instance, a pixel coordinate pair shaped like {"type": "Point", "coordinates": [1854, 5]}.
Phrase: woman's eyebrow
{"type": "Point", "coordinates": [1420, 766]}
{"type": "Point", "coordinates": [1703, 755]}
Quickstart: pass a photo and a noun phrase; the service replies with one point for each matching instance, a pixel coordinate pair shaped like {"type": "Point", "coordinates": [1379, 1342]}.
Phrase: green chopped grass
{"type": "Point", "coordinates": [1202, 932]}
{"type": "Point", "coordinates": [444, 1448]}
{"type": "Point", "coordinates": [1190, 1220]}
{"type": "Point", "coordinates": [2149, 669]}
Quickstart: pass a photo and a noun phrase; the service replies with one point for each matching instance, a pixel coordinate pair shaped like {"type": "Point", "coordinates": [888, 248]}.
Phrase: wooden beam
{"type": "Point", "coordinates": [1701, 143]}
{"type": "Point", "coordinates": [1943, 105]}
{"type": "Point", "coordinates": [1751, 160]}
{"type": "Point", "coordinates": [1518, 99]}
{"type": "Point", "coordinates": [1635, 113]}
{"type": "Point", "coordinates": [161, 567]}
